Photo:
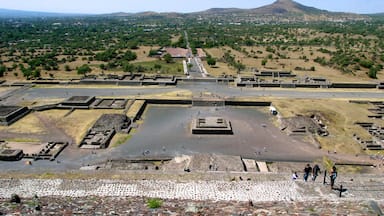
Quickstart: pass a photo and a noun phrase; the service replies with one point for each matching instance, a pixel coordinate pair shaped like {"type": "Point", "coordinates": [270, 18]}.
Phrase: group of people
{"type": "Point", "coordinates": [308, 171]}
{"type": "Point", "coordinates": [314, 172]}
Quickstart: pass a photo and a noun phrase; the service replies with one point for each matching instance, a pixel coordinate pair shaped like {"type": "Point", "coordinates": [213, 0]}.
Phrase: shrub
{"type": "Point", "coordinates": [154, 203]}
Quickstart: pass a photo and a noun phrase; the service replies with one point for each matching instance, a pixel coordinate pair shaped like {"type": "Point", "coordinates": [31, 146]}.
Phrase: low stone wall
{"type": "Point", "coordinates": [14, 116]}
{"type": "Point", "coordinates": [44, 107]}
{"type": "Point", "coordinates": [354, 85]}
{"type": "Point", "coordinates": [169, 101]}
{"type": "Point", "coordinates": [247, 103]}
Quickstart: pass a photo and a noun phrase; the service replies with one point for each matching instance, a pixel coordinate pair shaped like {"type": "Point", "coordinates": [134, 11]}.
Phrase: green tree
{"type": "Point", "coordinates": [128, 67]}
{"type": "Point", "coordinates": [157, 66]}
{"type": "Point", "coordinates": [103, 67]}
{"type": "Point", "coordinates": [3, 69]}
{"type": "Point", "coordinates": [129, 56]}
{"type": "Point", "coordinates": [239, 67]}
{"type": "Point", "coordinates": [211, 61]}
{"type": "Point", "coordinates": [373, 72]}
{"type": "Point", "coordinates": [152, 52]}
{"type": "Point", "coordinates": [84, 69]}
{"type": "Point", "coordinates": [264, 62]}
{"type": "Point", "coordinates": [366, 63]}
{"type": "Point", "coordinates": [36, 73]}
{"type": "Point", "coordinates": [168, 58]}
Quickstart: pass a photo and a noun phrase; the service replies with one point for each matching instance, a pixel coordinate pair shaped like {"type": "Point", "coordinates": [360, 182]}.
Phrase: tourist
{"type": "Point", "coordinates": [315, 172]}
{"type": "Point", "coordinates": [333, 176]}
{"type": "Point", "coordinates": [307, 172]}
{"type": "Point", "coordinates": [294, 176]}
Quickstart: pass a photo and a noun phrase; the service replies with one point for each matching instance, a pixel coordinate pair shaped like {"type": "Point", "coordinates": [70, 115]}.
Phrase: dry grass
{"type": "Point", "coordinates": [142, 54]}
{"type": "Point", "coordinates": [340, 117]}
{"type": "Point", "coordinates": [119, 139]}
{"type": "Point", "coordinates": [220, 69]}
{"type": "Point", "coordinates": [78, 122]}
{"type": "Point", "coordinates": [135, 108]}
{"type": "Point", "coordinates": [29, 124]}
{"type": "Point", "coordinates": [179, 94]}
{"type": "Point", "coordinates": [4, 89]}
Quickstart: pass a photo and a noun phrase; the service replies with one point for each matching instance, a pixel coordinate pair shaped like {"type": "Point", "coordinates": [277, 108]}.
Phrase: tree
{"type": "Point", "coordinates": [366, 63]}
{"type": "Point", "coordinates": [153, 52]}
{"type": "Point", "coordinates": [168, 58]}
{"type": "Point", "coordinates": [3, 69]}
{"type": "Point", "coordinates": [211, 61]}
{"type": "Point", "coordinates": [84, 69]}
{"type": "Point", "coordinates": [372, 73]}
{"type": "Point", "coordinates": [36, 73]}
{"type": "Point", "coordinates": [129, 56]}
{"type": "Point", "coordinates": [157, 66]}
{"type": "Point", "coordinates": [67, 68]}
{"type": "Point", "coordinates": [313, 68]}
{"type": "Point", "coordinates": [264, 62]}
{"type": "Point", "coordinates": [239, 67]}
{"type": "Point", "coordinates": [128, 67]}
{"type": "Point", "coordinates": [103, 67]}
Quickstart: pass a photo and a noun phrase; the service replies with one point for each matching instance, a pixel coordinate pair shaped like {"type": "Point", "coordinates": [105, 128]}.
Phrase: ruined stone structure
{"type": "Point", "coordinates": [211, 125]}
{"type": "Point", "coordinates": [304, 125]}
{"type": "Point", "coordinates": [78, 101]}
{"type": "Point", "coordinates": [10, 114]}
{"type": "Point", "coordinates": [49, 152]}
{"type": "Point", "coordinates": [377, 134]}
{"type": "Point", "coordinates": [109, 103]}
{"type": "Point", "coordinates": [11, 154]}
{"type": "Point", "coordinates": [102, 132]}
{"type": "Point", "coordinates": [376, 142]}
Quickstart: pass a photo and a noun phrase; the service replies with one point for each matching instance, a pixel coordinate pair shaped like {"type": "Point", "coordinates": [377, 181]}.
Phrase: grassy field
{"type": "Point", "coordinates": [29, 123]}
{"type": "Point", "coordinates": [142, 54]}
{"type": "Point", "coordinates": [163, 68]}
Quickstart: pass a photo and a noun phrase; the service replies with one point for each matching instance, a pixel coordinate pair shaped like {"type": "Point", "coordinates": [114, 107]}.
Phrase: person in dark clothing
{"type": "Point", "coordinates": [307, 172]}
{"type": "Point", "coordinates": [315, 172]}
{"type": "Point", "coordinates": [333, 176]}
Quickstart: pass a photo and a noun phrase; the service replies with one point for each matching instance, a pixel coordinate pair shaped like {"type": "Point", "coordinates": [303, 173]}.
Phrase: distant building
{"type": "Point", "coordinates": [176, 52]}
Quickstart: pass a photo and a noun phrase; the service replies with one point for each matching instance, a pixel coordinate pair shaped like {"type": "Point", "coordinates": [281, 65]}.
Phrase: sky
{"type": "Point", "coordinates": [111, 6]}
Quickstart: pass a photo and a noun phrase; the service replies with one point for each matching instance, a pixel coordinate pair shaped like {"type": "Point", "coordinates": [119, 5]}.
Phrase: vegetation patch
{"type": "Point", "coordinates": [154, 203]}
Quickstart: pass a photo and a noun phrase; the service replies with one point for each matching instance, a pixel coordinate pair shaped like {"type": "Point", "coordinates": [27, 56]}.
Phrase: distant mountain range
{"type": "Point", "coordinates": [32, 14]}
{"type": "Point", "coordinates": [280, 10]}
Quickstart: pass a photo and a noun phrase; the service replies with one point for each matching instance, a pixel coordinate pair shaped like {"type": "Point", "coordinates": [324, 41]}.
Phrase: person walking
{"type": "Point", "coordinates": [307, 172]}
{"type": "Point", "coordinates": [333, 176]}
{"type": "Point", "coordinates": [315, 172]}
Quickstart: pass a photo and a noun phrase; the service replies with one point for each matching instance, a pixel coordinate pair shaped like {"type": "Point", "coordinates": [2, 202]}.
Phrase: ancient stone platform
{"type": "Point", "coordinates": [10, 114]}
{"type": "Point", "coordinates": [211, 125]}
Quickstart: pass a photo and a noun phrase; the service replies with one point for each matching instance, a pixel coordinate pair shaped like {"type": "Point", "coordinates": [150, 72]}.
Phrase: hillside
{"type": "Point", "coordinates": [31, 14]}
{"type": "Point", "coordinates": [279, 11]}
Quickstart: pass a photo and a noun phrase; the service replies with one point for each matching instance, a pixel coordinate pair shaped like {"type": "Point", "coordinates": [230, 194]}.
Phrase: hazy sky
{"type": "Point", "coordinates": [109, 6]}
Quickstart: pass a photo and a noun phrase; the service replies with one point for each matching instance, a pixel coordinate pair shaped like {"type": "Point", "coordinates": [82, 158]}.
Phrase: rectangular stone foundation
{"type": "Point", "coordinates": [211, 125]}
{"type": "Point", "coordinates": [11, 155]}
{"type": "Point", "coordinates": [10, 114]}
